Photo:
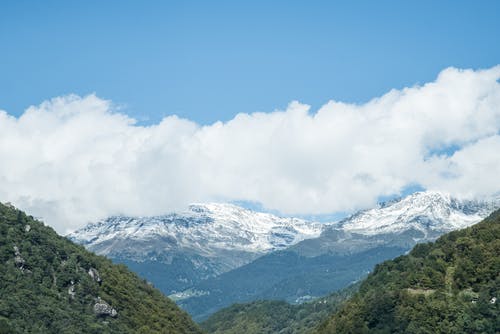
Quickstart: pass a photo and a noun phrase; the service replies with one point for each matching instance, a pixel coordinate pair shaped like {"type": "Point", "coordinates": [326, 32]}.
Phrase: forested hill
{"type": "Point", "coordinates": [275, 317]}
{"type": "Point", "coordinates": [450, 286]}
{"type": "Point", "coordinates": [50, 285]}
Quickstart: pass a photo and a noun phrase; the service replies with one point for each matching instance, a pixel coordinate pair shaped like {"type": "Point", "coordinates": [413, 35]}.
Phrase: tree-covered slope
{"type": "Point", "coordinates": [50, 285]}
{"type": "Point", "coordinates": [344, 252]}
{"type": "Point", "coordinates": [283, 275]}
{"type": "Point", "coordinates": [275, 317]}
{"type": "Point", "coordinates": [450, 286]}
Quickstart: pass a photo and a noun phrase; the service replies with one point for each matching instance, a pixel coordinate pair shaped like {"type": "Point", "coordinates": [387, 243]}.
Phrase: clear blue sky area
{"type": "Point", "coordinates": [210, 60]}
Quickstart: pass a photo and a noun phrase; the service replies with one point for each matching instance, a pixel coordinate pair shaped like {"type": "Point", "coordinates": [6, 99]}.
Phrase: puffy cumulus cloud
{"type": "Point", "coordinates": [74, 159]}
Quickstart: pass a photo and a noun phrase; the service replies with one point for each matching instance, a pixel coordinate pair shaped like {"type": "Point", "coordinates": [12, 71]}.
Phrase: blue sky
{"type": "Point", "coordinates": [413, 117]}
{"type": "Point", "coordinates": [209, 60]}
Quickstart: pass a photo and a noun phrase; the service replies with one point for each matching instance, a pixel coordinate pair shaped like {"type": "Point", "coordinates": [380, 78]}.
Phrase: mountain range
{"type": "Point", "coordinates": [214, 255]}
{"type": "Point", "coordinates": [176, 251]}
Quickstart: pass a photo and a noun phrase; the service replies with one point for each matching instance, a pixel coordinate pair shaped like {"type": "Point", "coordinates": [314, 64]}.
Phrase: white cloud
{"type": "Point", "coordinates": [73, 159]}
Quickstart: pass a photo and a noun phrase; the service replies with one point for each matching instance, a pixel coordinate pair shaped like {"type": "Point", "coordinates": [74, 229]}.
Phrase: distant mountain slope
{"type": "Point", "coordinates": [275, 317]}
{"type": "Point", "coordinates": [281, 275]}
{"type": "Point", "coordinates": [214, 255]}
{"type": "Point", "coordinates": [419, 217]}
{"type": "Point", "coordinates": [450, 286]}
{"type": "Point", "coordinates": [50, 285]}
{"type": "Point", "coordinates": [429, 212]}
{"type": "Point", "coordinates": [178, 250]}
{"type": "Point", "coordinates": [343, 253]}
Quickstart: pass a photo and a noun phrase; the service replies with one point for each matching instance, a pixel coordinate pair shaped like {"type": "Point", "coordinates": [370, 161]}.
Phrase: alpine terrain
{"type": "Point", "coordinates": [217, 254]}
{"type": "Point", "coordinates": [178, 250]}
{"type": "Point", "coordinates": [450, 286]}
{"type": "Point", "coordinates": [343, 254]}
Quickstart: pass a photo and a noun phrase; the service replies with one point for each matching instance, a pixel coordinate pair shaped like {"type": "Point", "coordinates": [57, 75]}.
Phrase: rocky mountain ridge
{"type": "Point", "coordinates": [344, 252]}
{"type": "Point", "coordinates": [204, 241]}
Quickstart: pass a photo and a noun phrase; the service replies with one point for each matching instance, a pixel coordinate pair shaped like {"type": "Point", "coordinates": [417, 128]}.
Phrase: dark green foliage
{"type": "Point", "coordinates": [34, 294]}
{"type": "Point", "coordinates": [282, 274]}
{"type": "Point", "coordinates": [275, 317]}
{"type": "Point", "coordinates": [441, 287]}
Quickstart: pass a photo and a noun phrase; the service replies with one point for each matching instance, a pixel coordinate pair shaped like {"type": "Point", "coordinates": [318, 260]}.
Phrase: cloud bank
{"type": "Point", "coordinates": [75, 159]}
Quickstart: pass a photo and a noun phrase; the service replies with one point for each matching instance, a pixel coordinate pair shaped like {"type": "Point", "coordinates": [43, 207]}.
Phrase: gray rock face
{"type": "Point", "coordinates": [101, 308]}
{"type": "Point", "coordinates": [18, 259]}
{"type": "Point", "coordinates": [71, 290]}
{"type": "Point", "coordinates": [95, 275]}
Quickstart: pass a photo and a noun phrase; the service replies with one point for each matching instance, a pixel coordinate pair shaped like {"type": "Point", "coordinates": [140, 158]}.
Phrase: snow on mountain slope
{"type": "Point", "coordinates": [344, 252]}
{"type": "Point", "coordinates": [429, 212]}
{"type": "Point", "coordinates": [199, 256]}
{"type": "Point", "coordinates": [205, 229]}
{"type": "Point", "coordinates": [232, 236]}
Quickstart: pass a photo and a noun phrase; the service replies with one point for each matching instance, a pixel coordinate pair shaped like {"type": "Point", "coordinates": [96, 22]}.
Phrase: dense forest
{"type": "Point", "coordinates": [281, 275]}
{"type": "Point", "coordinates": [50, 285]}
{"type": "Point", "coordinates": [275, 317]}
{"type": "Point", "coordinates": [450, 286]}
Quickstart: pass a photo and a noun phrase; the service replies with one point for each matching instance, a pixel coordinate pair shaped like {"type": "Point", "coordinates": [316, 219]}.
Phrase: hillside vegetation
{"type": "Point", "coordinates": [275, 317]}
{"type": "Point", "coordinates": [50, 285]}
{"type": "Point", "coordinates": [281, 275]}
{"type": "Point", "coordinates": [450, 286]}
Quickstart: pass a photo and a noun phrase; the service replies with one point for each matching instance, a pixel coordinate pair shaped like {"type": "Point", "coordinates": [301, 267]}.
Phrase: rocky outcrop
{"type": "Point", "coordinates": [71, 290]}
{"type": "Point", "coordinates": [18, 259]}
{"type": "Point", "coordinates": [103, 309]}
{"type": "Point", "coordinates": [95, 275]}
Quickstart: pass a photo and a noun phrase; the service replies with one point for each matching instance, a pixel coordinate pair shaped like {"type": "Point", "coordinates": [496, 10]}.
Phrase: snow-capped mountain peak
{"type": "Point", "coordinates": [424, 211]}
{"type": "Point", "coordinates": [177, 251]}
{"type": "Point", "coordinates": [204, 228]}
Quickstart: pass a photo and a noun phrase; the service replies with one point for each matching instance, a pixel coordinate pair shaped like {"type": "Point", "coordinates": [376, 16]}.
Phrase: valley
{"type": "Point", "coordinates": [215, 255]}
